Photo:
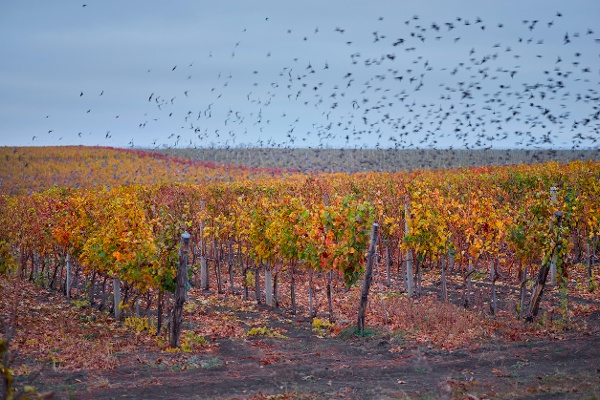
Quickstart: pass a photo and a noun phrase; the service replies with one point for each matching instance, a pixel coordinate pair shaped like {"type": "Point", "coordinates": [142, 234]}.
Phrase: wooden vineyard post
{"type": "Point", "coordinates": [329, 299]}
{"type": "Point", "coordinates": [181, 290]}
{"type": "Point", "coordinates": [269, 285]}
{"type": "Point", "coordinates": [364, 297]}
{"type": "Point", "coordinates": [230, 262]}
{"type": "Point", "coordinates": [69, 272]}
{"type": "Point", "coordinates": [553, 199]}
{"type": "Point", "coordinates": [103, 295]}
{"type": "Point", "coordinates": [217, 248]}
{"type": "Point", "coordinates": [538, 289]}
{"type": "Point", "coordinates": [523, 289]}
{"type": "Point", "coordinates": [257, 284]}
{"type": "Point", "coordinates": [590, 251]}
{"type": "Point", "coordinates": [92, 285]}
{"type": "Point", "coordinates": [244, 265]}
{"type": "Point", "coordinates": [493, 278]}
{"type": "Point", "coordinates": [553, 270]}
{"type": "Point", "coordinates": [419, 280]}
{"type": "Point", "coordinates": [311, 295]}
{"type": "Point", "coordinates": [117, 296]}
{"type": "Point", "coordinates": [410, 283]}
{"type": "Point", "coordinates": [203, 273]}
{"type": "Point", "coordinates": [159, 311]}
{"type": "Point", "coordinates": [203, 266]}
{"type": "Point", "coordinates": [292, 288]}
{"type": "Point", "coordinates": [34, 266]}
{"type": "Point", "coordinates": [467, 295]}
{"type": "Point", "coordinates": [388, 272]}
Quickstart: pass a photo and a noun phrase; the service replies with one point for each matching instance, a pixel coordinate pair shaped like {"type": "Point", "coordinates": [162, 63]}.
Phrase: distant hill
{"type": "Point", "coordinates": [356, 160]}
{"type": "Point", "coordinates": [31, 169]}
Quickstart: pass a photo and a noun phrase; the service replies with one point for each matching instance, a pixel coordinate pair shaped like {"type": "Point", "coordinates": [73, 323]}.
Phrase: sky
{"type": "Point", "coordinates": [274, 73]}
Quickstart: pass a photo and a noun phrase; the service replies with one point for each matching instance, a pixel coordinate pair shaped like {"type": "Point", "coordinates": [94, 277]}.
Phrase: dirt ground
{"type": "Point", "coordinates": [249, 351]}
{"type": "Point", "coordinates": [305, 366]}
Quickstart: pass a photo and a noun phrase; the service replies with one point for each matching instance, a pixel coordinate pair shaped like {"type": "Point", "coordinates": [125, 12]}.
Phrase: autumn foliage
{"type": "Point", "coordinates": [121, 217]}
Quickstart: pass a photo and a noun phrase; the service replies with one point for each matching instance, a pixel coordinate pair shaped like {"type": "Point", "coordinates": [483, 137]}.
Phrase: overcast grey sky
{"type": "Point", "coordinates": [341, 73]}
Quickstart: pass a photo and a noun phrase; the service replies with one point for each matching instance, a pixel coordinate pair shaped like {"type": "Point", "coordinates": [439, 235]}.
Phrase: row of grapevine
{"type": "Point", "coordinates": [32, 169]}
{"type": "Point", "coordinates": [496, 220]}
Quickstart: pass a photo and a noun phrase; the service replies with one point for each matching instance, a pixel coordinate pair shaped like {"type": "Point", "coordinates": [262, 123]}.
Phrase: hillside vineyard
{"type": "Point", "coordinates": [502, 222]}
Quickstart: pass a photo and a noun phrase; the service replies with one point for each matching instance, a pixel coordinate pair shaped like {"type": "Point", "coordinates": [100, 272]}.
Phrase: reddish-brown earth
{"type": "Point", "coordinates": [79, 353]}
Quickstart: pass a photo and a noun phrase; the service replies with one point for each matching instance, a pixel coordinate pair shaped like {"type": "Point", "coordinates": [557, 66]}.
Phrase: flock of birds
{"type": "Point", "coordinates": [422, 84]}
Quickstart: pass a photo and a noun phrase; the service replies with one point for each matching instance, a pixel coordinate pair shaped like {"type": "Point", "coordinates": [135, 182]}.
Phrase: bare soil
{"type": "Point", "coordinates": [304, 365]}
{"type": "Point", "coordinates": [77, 352]}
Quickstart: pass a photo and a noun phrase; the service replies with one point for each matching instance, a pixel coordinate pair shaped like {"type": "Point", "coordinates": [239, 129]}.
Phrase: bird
{"type": "Point", "coordinates": [377, 89]}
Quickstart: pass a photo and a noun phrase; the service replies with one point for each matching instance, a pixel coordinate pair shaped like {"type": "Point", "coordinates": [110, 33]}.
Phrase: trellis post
{"type": "Point", "coordinates": [181, 290]}
{"type": "Point", "coordinates": [364, 297]}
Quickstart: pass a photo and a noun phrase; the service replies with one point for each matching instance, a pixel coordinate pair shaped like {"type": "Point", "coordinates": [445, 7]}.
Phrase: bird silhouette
{"type": "Point", "coordinates": [389, 84]}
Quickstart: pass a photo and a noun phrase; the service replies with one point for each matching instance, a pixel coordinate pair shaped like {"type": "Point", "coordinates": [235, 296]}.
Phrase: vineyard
{"type": "Point", "coordinates": [462, 255]}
